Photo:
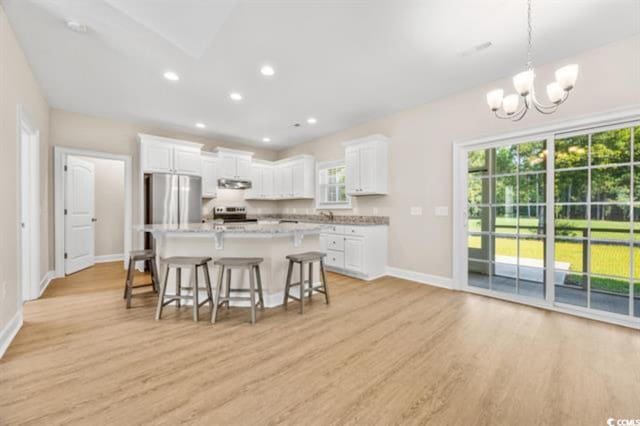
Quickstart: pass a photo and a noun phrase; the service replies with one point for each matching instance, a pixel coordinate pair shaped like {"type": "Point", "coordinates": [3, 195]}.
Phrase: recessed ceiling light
{"type": "Point", "coordinates": [77, 27]}
{"type": "Point", "coordinates": [235, 96]}
{"type": "Point", "coordinates": [171, 76]}
{"type": "Point", "coordinates": [266, 140]}
{"type": "Point", "coordinates": [311, 120]}
{"type": "Point", "coordinates": [200, 125]}
{"type": "Point", "coordinates": [267, 71]}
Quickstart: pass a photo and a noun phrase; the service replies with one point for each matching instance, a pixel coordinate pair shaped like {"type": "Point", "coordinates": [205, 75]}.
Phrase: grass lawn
{"type": "Point", "coordinates": [606, 259]}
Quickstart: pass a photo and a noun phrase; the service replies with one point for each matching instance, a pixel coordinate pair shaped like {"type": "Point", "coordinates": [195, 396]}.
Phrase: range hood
{"type": "Point", "coordinates": [234, 184]}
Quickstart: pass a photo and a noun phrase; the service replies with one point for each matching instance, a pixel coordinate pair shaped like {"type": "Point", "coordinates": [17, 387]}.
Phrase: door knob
{"type": "Point", "coordinates": [94, 219]}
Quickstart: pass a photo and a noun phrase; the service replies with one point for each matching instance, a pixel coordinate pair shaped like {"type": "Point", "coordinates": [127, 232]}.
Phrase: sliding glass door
{"type": "Point", "coordinates": [506, 210]}
{"type": "Point", "coordinates": [594, 220]}
{"type": "Point", "coordinates": [589, 255]}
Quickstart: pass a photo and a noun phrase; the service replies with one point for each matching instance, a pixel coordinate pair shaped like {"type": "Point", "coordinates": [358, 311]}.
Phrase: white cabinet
{"type": "Point", "coordinates": [366, 163]}
{"type": "Point", "coordinates": [287, 179]}
{"type": "Point", "coordinates": [261, 181]}
{"type": "Point", "coordinates": [227, 167]}
{"type": "Point", "coordinates": [359, 251]}
{"type": "Point", "coordinates": [157, 157]}
{"type": "Point", "coordinates": [164, 155]}
{"type": "Point", "coordinates": [234, 164]}
{"type": "Point", "coordinates": [267, 182]}
{"type": "Point", "coordinates": [354, 254]}
{"type": "Point", "coordinates": [187, 161]}
{"type": "Point", "coordinates": [243, 167]}
{"type": "Point", "coordinates": [209, 175]}
{"type": "Point", "coordinates": [295, 177]}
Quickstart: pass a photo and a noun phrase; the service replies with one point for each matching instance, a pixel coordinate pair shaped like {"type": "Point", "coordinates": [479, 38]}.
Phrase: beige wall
{"type": "Point", "coordinates": [421, 149]}
{"type": "Point", "coordinates": [17, 87]}
{"type": "Point", "coordinates": [109, 205]}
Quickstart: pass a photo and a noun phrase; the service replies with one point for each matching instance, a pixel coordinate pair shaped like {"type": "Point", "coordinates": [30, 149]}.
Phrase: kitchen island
{"type": "Point", "coordinates": [272, 242]}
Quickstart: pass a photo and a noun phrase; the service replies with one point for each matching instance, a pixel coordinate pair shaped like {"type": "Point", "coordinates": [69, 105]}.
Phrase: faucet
{"type": "Point", "coordinates": [328, 215]}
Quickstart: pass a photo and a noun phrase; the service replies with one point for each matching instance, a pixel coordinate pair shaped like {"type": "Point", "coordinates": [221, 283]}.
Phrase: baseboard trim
{"type": "Point", "coordinates": [419, 277]}
{"type": "Point", "coordinates": [9, 332]}
{"type": "Point", "coordinates": [109, 258]}
{"type": "Point", "coordinates": [46, 280]}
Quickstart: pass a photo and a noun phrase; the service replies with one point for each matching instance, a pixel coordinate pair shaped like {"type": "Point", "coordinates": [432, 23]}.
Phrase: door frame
{"type": "Point", "coordinates": [60, 155]}
{"type": "Point", "coordinates": [30, 289]}
{"type": "Point", "coordinates": [459, 211]}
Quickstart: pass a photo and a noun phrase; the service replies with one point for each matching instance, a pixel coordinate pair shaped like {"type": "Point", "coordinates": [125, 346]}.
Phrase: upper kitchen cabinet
{"type": "Point", "coordinates": [294, 178]}
{"type": "Point", "coordinates": [164, 155]}
{"type": "Point", "coordinates": [261, 181]}
{"type": "Point", "coordinates": [366, 162]}
{"type": "Point", "coordinates": [209, 175]}
{"type": "Point", "coordinates": [287, 179]}
{"type": "Point", "coordinates": [234, 164]}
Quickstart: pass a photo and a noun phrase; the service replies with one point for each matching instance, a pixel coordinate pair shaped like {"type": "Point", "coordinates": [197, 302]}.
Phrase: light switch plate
{"type": "Point", "coordinates": [295, 210]}
{"type": "Point", "coordinates": [442, 211]}
{"type": "Point", "coordinates": [416, 210]}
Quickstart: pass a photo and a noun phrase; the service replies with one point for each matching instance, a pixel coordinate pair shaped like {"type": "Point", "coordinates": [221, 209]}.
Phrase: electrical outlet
{"type": "Point", "coordinates": [259, 211]}
{"type": "Point", "coordinates": [441, 211]}
{"type": "Point", "coordinates": [416, 211]}
{"type": "Point", "coordinates": [375, 210]}
{"type": "Point", "coordinates": [295, 210]}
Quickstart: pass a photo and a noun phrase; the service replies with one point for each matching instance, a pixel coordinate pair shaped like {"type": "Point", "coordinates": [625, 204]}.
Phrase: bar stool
{"type": "Point", "coordinates": [149, 258]}
{"type": "Point", "coordinates": [193, 263]}
{"type": "Point", "coordinates": [251, 264]}
{"type": "Point", "coordinates": [306, 258]}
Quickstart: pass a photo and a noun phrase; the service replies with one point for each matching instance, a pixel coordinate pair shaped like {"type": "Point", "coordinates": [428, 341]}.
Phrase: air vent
{"type": "Point", "coordinates": [475, 49]}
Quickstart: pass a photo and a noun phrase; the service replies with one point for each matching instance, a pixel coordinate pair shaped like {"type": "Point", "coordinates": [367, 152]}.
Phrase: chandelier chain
{"type": "Point", "coordinates": [529, 37]}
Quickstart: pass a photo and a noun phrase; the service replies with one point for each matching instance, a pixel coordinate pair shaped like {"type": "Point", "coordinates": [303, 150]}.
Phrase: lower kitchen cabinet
{"type": "Point", "coordinates": [359, 251]}
{"type": "Point", "coordinates": [354, 254]}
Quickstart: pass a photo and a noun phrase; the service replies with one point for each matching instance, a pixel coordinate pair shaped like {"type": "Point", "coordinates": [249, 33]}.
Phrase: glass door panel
{"type": "Point", "coordinates": [596, 220]}
{"type": "Point", "coordinates": [506, 195]}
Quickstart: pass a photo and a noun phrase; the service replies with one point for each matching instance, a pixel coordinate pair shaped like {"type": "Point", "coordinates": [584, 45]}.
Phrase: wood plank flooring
{"type": "Point", "coordinates": [386, 352]}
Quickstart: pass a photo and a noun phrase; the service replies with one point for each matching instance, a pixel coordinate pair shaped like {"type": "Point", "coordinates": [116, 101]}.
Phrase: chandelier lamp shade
{"type": "Point", "coordinates": [510, 107]}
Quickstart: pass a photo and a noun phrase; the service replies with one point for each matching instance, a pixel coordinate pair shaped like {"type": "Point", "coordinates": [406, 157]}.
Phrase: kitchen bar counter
{"type": "Point", "coordinates": [272, 242]}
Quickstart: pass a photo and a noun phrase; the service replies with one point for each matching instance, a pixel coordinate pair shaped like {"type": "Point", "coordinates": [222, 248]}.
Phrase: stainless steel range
{"type": "Point", "coordinates": [232, 215]}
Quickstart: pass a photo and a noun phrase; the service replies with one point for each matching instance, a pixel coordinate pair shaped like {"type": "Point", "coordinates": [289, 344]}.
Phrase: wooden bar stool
{"type": "Point", "coordinates": [149, 258]}
{"type": "Point", "coordinates": [251, 264]}
{"type": "Point", "coordinates": [193, 263]}
{"type": "Point", "coordinates": [306, 258]}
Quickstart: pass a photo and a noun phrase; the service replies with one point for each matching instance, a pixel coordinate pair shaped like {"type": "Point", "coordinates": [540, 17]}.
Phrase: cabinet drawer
{"type": "Point", "coordinates": [335, 242]}
{"type": "Point", "coordinates": [336, 229]}
{"type": "Point", "coordinates": [353, 230]}
{"type": "Point", "coordinates": [335, 259]}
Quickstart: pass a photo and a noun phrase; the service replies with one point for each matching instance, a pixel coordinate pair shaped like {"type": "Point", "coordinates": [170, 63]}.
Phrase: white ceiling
{"type": "Point", "coordinates": [343, 62]}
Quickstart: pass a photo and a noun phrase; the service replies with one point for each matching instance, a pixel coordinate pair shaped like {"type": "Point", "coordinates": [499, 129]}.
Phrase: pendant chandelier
{"type": "Point", "coordinates": [557, 92]}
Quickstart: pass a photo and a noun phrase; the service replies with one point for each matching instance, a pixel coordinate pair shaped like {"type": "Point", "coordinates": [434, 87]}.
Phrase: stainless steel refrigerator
{"type": "Point", "coordinates": [173, 199]}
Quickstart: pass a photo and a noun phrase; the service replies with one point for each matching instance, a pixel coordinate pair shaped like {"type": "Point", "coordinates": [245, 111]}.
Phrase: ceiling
{"type": "Point", "coordinates": [343, 62]}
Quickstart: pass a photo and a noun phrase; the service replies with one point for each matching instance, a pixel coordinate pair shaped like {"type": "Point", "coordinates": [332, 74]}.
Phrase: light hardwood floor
{"type": "Point", "coordinates": [386, 352]}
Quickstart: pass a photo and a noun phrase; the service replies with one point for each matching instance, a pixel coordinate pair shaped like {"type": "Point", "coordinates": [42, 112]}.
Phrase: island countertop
{"type": "Point", "coordinates": [236, 229]}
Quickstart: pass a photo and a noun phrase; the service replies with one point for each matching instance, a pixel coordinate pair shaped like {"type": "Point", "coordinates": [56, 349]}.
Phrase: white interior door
{"type": "Point", "coordinates": [80, 215]}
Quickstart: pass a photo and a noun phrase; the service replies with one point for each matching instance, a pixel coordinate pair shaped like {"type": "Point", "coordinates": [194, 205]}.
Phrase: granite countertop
{"type": "Point", "coordinates": [317, 218]}
{"type": "Point", "coordinates": [278, 229]}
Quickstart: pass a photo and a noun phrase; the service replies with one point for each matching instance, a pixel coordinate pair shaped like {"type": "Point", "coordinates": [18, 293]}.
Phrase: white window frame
{"type": "Point", "coordinates": [559, 129]}
{"type": "Point", "coordinates": [320, 203]}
